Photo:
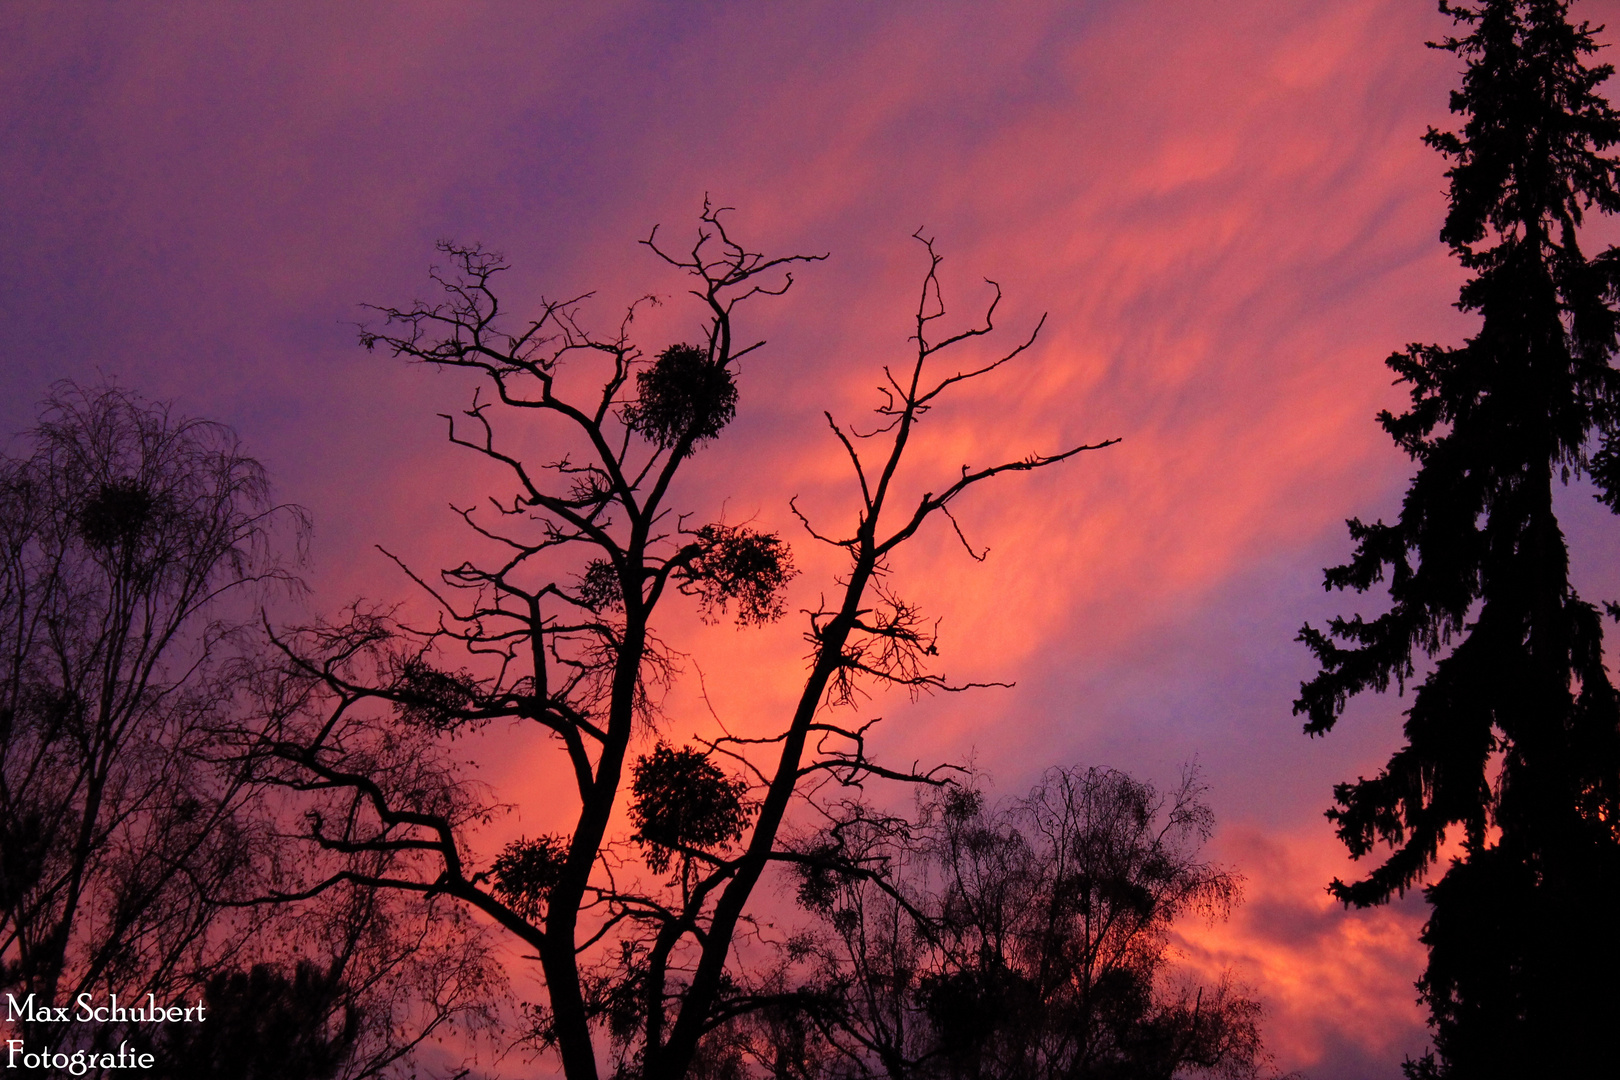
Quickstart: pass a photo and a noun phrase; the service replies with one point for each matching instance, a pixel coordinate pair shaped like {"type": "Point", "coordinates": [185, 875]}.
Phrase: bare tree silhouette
{"type": "Point", "coordinates": [559, 633]}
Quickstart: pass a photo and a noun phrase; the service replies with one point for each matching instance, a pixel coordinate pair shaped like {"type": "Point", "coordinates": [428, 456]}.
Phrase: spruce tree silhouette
{"type": "Point", "coordinates": [1514, 734]}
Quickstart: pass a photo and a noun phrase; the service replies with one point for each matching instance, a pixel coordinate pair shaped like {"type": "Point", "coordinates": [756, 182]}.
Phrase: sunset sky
{"type": "Point", "coordinates": [1223, 205]}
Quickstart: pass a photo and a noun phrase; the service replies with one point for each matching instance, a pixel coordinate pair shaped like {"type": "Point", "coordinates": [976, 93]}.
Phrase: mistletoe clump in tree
{"type": "Point", "coordinates": [1514, 733]}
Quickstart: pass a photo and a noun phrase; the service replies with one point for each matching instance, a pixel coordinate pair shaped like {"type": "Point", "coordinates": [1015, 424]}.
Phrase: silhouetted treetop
{"type": "Point", "coordinates": [1490, 425]}
{"type": "Point", "coordinates": [1028, 940]}
{"type": "Point", "coordinates": [1513, 734]}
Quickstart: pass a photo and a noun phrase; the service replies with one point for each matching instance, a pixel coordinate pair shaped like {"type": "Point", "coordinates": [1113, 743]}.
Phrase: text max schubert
{"type": "Point", "coordinates": [85, 1010]}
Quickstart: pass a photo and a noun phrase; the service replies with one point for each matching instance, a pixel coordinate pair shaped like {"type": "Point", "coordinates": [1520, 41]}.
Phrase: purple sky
{"type": "Point", "coordinates": [1224, 207]}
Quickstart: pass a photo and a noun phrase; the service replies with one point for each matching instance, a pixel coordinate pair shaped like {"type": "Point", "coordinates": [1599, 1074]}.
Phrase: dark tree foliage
{"type": "Point", "coordinates": [731, 564]}
{"type": "Point", "coordinates": [434, 698]}
{"type": "Point", "coordinates": [680, 801]}
{"type": "Point", "coordinates": [262, 1024]}
{"type": "Point", "coordinates": [356, 986]}
{"type": "Point", "coordinates": [1513, 736]}
{"type": "Point", "coordinates": [637, 930]}
{"type": "Point", "coordinates": [685, 397]}
{"type": "Point", "coordinates": [1028, 941]}
{"type": "Point", "coordinates": [527, 870]}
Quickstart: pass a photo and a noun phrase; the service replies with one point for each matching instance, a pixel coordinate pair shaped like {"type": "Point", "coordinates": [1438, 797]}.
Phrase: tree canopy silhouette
{"type": "Point", "coordinates": [126, 533]}
{"type": "Point", "coordinates": [559, 631]}
{"type": "Point", "coordinates": [1025, 941]}
{"type": "Point", "coordinates": [1513, 735]}
{"type": "Point", "coordinates": [135, 548]}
